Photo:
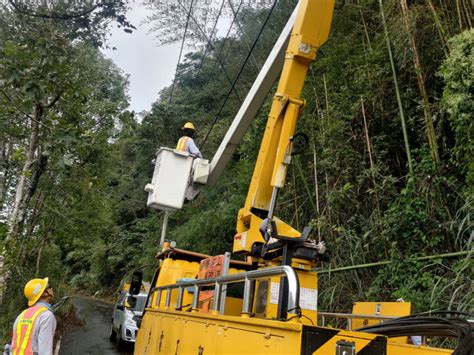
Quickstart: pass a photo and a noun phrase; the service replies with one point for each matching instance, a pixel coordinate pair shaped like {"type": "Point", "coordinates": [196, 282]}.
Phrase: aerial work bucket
{"type": "Point", "coordinates": [170, 180]}
{"type": "Point", "coordinates": [177, 176]}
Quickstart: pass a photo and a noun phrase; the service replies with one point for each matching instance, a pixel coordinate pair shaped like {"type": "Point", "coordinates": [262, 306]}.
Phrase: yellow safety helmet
{"type": "Point", "coordinates": [188, 125]}
{"type": "Point", "coordinates": [34, 289]}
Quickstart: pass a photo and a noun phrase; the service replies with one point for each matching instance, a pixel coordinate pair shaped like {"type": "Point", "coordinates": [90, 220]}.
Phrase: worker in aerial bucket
{"type": "Point", "coordinates": [186, 142]}
{"type": "Point", "coordinates": [33, 330]}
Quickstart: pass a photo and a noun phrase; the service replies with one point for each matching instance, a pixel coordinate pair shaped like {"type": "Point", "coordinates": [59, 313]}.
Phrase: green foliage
{"type": "Point", "coordinates": [458, 101]}
{"type": "Point", "coordinates": [87, 223]}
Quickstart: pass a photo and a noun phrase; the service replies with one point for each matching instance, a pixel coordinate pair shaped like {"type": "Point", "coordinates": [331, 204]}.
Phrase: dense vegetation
{"type": "Point", "coordinates": [388, 174]}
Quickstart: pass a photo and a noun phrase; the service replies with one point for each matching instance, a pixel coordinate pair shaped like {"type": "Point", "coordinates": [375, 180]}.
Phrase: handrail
{"type": "Point", "coordinates": [351, 316]}
{"type": "Point", "coordinates": [218, 282]}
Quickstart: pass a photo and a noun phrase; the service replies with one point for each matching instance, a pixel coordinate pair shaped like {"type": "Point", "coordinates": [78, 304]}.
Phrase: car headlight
{"type": "Point", "coordinates": [129, 320]}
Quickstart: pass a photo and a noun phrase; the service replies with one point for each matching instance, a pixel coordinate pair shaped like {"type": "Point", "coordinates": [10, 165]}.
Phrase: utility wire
{"type": "Point", "coordinates": [213, 49]}
{"type": "Point", "coordinates": [181, 51]}
{"type": "Point", "coordinates": [212, 34]}
{"type": "Point", "coordinates": [240, 72]}
{"type": "Point", "coordinates": [243, 38]}
{"type": "Point", "coordinates": [223, 43]}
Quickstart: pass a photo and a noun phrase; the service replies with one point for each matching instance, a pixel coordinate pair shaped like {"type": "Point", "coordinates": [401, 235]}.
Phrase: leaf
{"type": "Point", "coordinates": [68, 159]}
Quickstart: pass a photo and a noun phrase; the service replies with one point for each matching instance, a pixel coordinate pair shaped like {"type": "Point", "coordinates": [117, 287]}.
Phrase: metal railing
{"type": "Point", "coordinates": [350, 317]}
{"type": "Point", "coordinates": [247, 278]}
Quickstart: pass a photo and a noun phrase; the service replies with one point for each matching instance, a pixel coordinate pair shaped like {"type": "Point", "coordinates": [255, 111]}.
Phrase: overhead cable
{"type": "Point", "coordinates": [243, 38]}
{"type": "Point", "coordinates": [210, 38]}
{"type": "Point", "coordinates": [223, 43]}
{"type": "Point", "coordinates": [213, 49]}
{"type": "Point", "coordinates": [240, 72]}
{"type": "Point", "coordinates": [181, 51]}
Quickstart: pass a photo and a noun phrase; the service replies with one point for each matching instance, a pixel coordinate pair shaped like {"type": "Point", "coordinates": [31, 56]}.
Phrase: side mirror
{"type": "Point", "coordinates": [138, 320]}
{"type": "Point", "coordinates": [136, 282]}
{"type": "Point", "coordinates": [120, 307]}
{"type": "Point", "coordinates": [132, 301]}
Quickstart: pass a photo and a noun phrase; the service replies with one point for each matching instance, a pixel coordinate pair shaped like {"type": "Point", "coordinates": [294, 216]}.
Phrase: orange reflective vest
{"type": "Point", "coordinates": [22, 343]}
{"type": "Point", "coordinates": [182, 144]}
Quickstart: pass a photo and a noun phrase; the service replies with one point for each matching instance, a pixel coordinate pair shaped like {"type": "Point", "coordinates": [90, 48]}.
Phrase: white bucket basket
{"type": "Point", "coordinates": [170, 180]}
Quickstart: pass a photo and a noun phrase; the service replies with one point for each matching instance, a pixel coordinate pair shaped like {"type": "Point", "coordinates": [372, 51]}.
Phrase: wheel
{"type": "Point", "coordinates": [113, 334]}
{"type": "Point", "coordinates": [119, 343]}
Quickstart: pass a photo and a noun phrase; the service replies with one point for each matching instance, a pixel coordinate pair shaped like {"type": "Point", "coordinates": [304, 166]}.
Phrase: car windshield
{"type": "Point", "coordinates": [140, 305]}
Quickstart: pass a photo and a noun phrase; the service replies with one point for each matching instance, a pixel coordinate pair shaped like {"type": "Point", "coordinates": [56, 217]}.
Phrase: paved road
{"type": "Point", "coordinates": [93, 336]}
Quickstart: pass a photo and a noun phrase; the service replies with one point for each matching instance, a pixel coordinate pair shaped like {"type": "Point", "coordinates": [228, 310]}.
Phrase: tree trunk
{"type": "Point", "coordinates": [5, 176]}
{"type": "Point", "coordinates": [2, 279]}
{"type": "Point", "coordinates": [19, 207]}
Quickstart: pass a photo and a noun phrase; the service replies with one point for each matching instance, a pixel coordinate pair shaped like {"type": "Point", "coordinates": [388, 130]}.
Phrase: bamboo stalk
{"type": "Point", "coordinates": [367, 140]}
{"type": "Point", "coordinates": [429, 126]}
{"type": "Point", "coordinates": [386, 262]}
{"type": "Point", "coordinates": [458, 9]}
{"type": "Point", "coordinates": [295, 201]}
{"type": "Point", "coordinates": [397, 92]}
{"type": "Point", "coordinates": [439, 27]}
{"type": "Point", "coordinates": [316, 187]}
{"type": "Point", "coordinates": [305, 183]}
{"type": "Point", "coordinates": [366, 32]}
{"type": "Point", "coordinates": [467, 14]}
{"type": "Point", "coordinates": [326, 96]}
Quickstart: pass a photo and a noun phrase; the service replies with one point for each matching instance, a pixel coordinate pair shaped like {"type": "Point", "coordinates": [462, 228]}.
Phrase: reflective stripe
{"type": "Point", "coordinates": [25, 324]}
{"type": "Point", "coordinates": [182, 144]}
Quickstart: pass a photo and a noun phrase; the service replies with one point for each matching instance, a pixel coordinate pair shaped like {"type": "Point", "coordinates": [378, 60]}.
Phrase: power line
{"type": "Point", "coordinates": [223, 44]}
{"type": "Point", "coordinates": [213, 49]}
{"type": "Point", "coordinates": [212, 34]}
{"type": "Point", "coordinates": [243, 37]}
{"type": "Point", "coordinates": [181, 51]}
{"type": "Point", "coordinates": [240, 72]}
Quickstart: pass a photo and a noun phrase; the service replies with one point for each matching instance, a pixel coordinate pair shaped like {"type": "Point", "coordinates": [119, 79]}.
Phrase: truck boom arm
{"type": "Point", "coordinates": [252, 103]}
{"type": "Point", "coordinates": [310, 31]}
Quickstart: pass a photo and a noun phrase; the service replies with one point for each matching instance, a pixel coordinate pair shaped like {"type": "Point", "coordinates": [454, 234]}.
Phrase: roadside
{"type": "Point", "coordinates": [89, 335]}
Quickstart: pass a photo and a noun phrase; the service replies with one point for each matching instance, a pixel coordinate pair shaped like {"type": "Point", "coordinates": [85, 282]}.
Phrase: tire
{"type": "Point", "coordinates": [113, 334]}
{"type": "Point", "coordinates": [119, 343]}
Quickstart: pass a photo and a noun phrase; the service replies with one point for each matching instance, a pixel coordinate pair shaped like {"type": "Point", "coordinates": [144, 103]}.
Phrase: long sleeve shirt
{"type": "Point", "coordinates": [43, 332]}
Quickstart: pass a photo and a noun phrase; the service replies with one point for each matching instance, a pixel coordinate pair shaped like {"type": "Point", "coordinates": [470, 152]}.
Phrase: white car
{"type": "Point", "coordinates": [124, 326]}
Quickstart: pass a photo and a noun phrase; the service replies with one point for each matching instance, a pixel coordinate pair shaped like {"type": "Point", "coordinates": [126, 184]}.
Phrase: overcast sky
{"type": "Point", "coordinates": [151, 68]}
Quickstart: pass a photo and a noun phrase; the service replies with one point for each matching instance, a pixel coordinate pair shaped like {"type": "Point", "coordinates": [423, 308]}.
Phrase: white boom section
{"type": "Point", "coordinates": [252, 103]}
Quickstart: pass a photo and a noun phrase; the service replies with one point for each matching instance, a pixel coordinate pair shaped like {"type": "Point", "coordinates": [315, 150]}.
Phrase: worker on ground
{"type": "Point", "coordinates": [33, 331]}
{"type": "Point", "coordinates": [186, 142]}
